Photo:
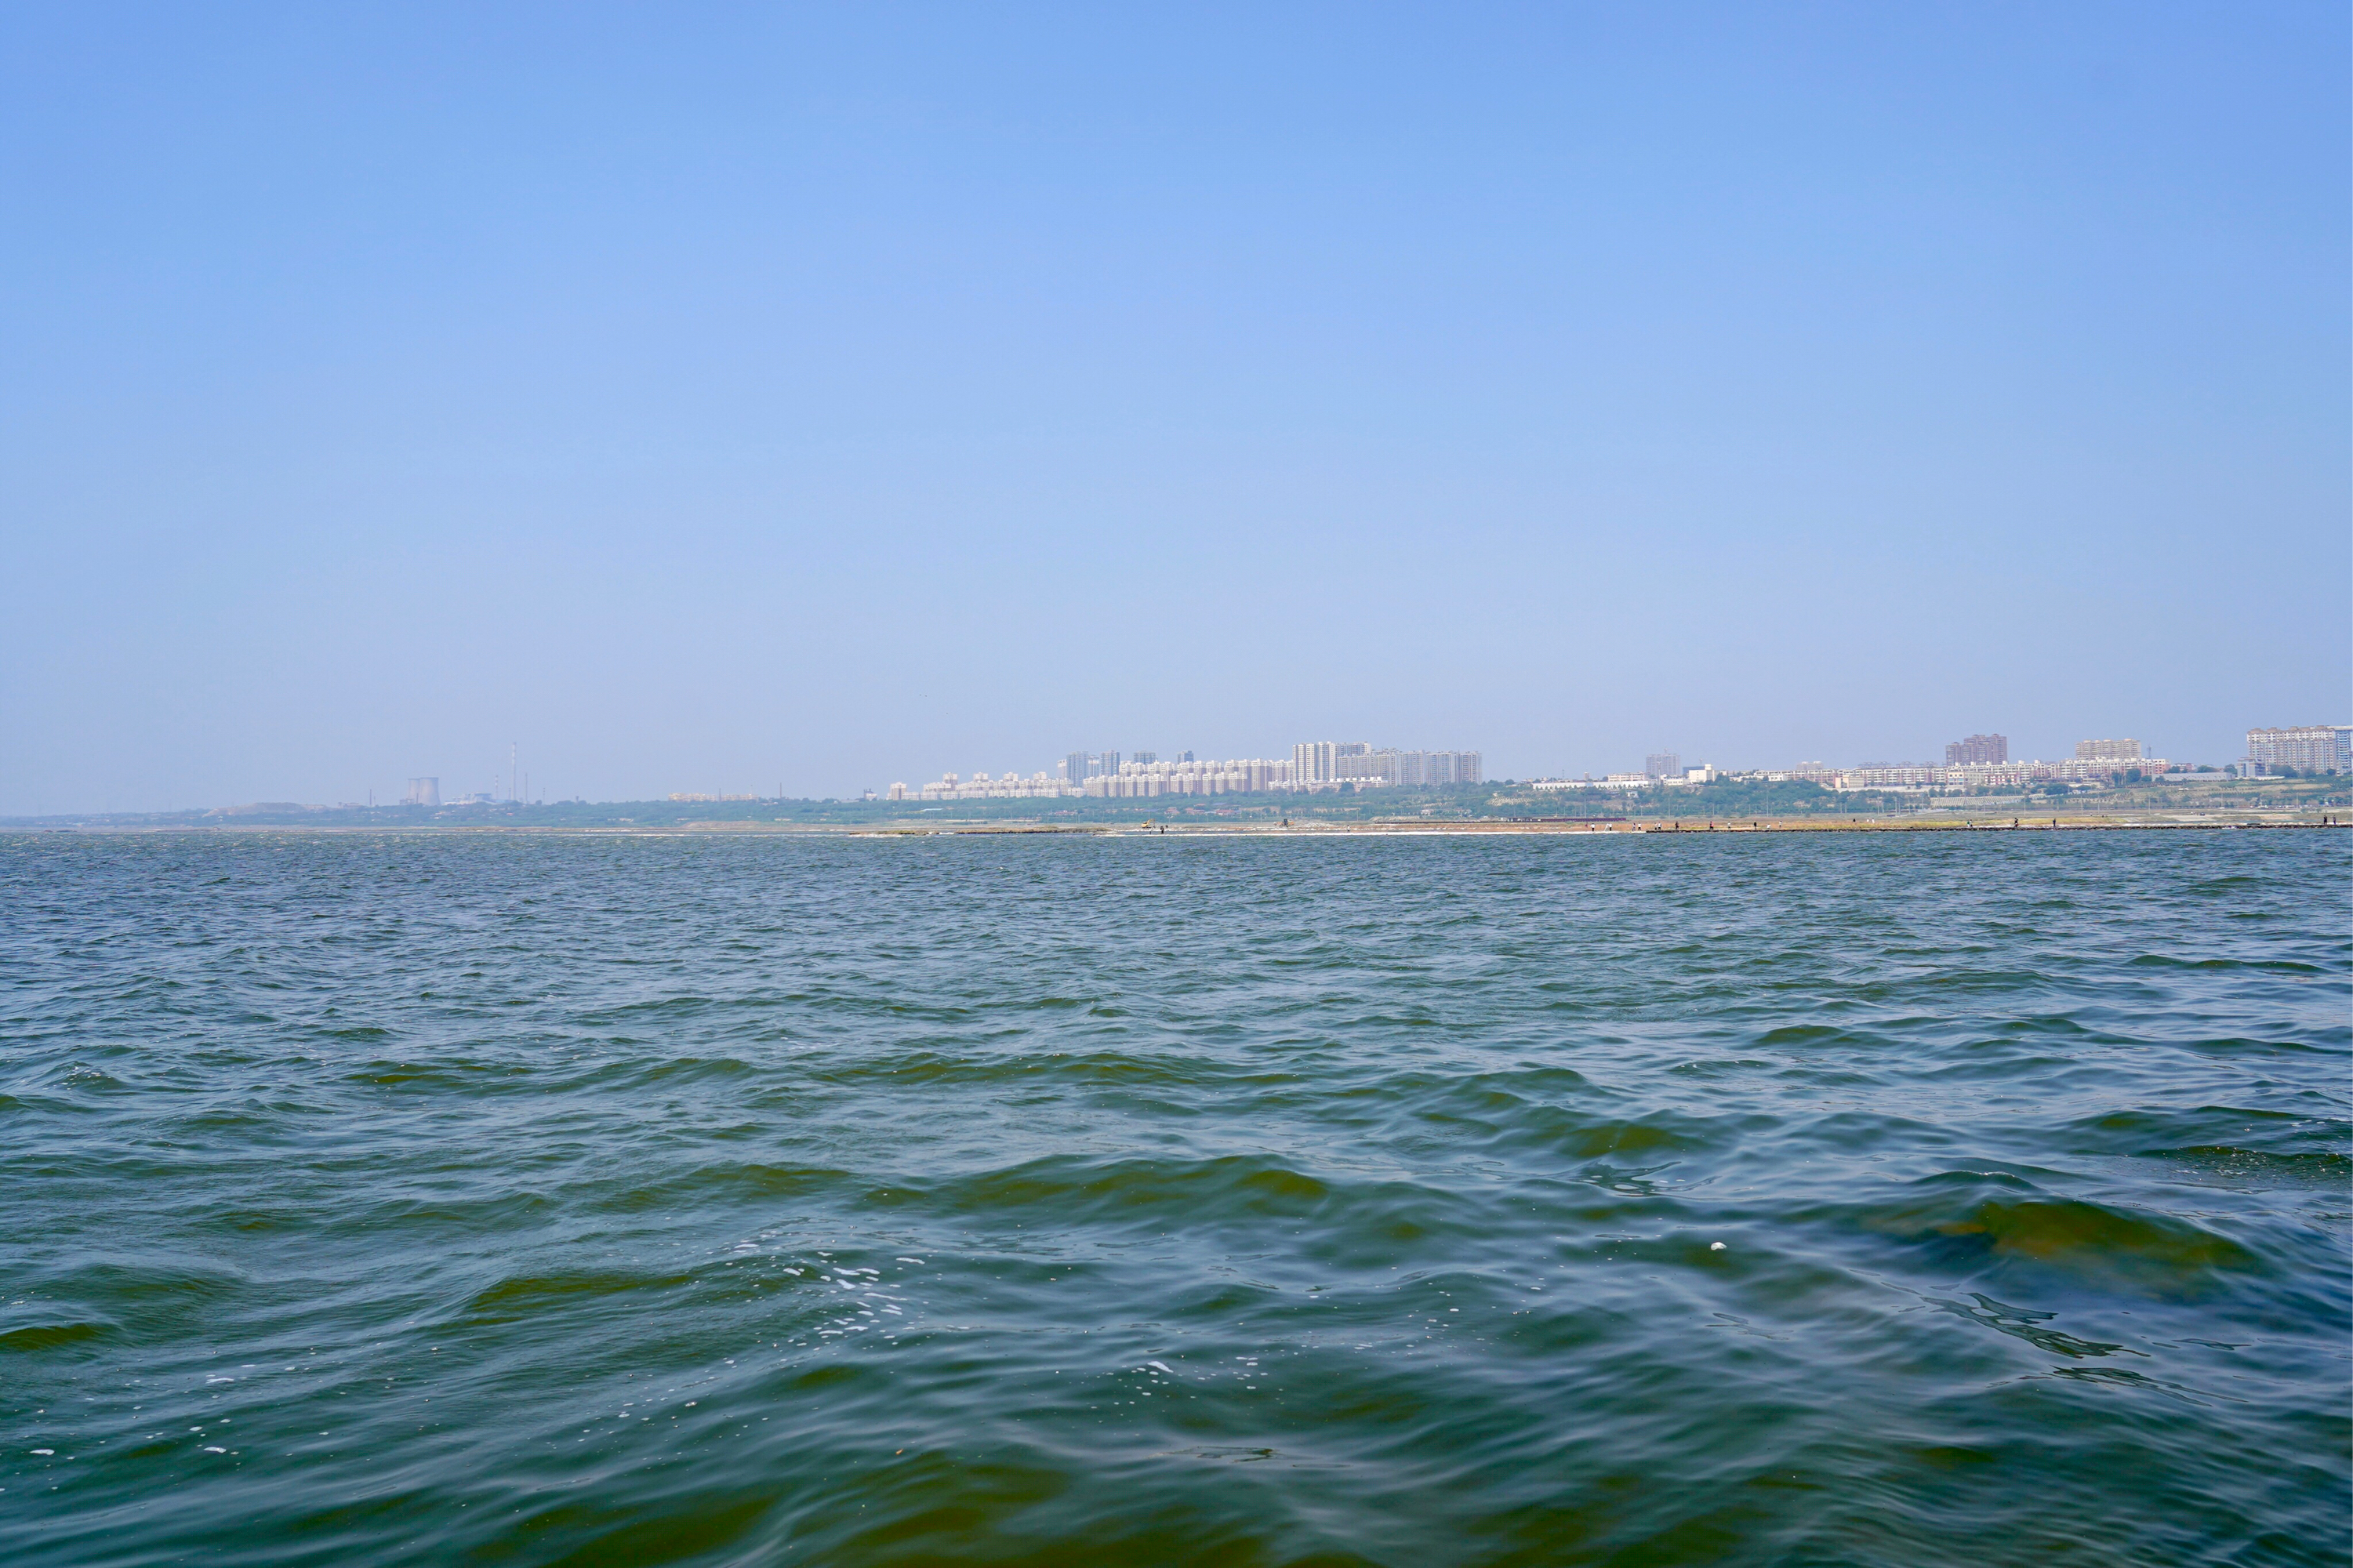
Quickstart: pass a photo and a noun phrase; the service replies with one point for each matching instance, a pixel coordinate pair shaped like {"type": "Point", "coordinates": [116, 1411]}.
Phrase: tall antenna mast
{"type": "Point", "coordinates": [511, 772]}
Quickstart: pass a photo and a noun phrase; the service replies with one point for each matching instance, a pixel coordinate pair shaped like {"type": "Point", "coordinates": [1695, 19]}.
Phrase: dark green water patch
{"type": "Point", "coordinates": [1969, 1220]}
{"type": "Point", "coordinates": [536, 1295]}
{"type": "Point", "coordinates": [31, 1337]}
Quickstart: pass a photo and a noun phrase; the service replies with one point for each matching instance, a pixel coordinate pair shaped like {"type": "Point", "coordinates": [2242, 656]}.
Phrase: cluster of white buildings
{"type": "Point", "coordinates": [1313, 766]}
{"type": "Point", "coordinates": [2306, 748]}
{"type": "Point", "coordinates": [980, 786]}
{"type": "Point", "coordinates": [1975, 775]}
{"type": "Point", "coordinates": [1189, 775]}
{"type": "Point", "coordinates": [1983, 762]}
{"type": "Point", "coordinates": [1684, 778]}
{"type": "Point", "coordinates": [2093, 762]}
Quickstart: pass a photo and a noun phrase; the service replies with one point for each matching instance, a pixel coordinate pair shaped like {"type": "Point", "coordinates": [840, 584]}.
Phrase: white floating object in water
{"type": "Point", "coordinates": [1162, 1365]}
{"type": "Point", "coordinates": [1716, 1246]}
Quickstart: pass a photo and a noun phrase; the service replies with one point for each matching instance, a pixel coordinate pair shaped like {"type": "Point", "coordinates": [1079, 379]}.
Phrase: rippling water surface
{"type": "Point", "coordinates": [1784, 1199]}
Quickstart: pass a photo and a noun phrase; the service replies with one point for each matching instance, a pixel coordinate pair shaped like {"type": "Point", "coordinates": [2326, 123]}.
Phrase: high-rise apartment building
{"type": "Point", "coordinates": [2306, 748]}
{"type": "Point", "coordinates": [2107, 750]}
{"type": "Point", "coordinates": [1080, 766]}
{"type": "Point", "coordinates": [1664, 766]}
{"type": "Point", "coordinates": [423, 792]}
{"type": "Point", "coordinates": [1414, 769]}
{"type": "Point", "coordinates": [1977, 751]}
{"type": "Point", "coordinates": [1318, 762]}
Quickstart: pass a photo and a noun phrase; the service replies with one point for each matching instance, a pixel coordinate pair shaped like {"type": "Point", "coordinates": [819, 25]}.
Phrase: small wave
{"type": "Point", "coordinates": [50, 1336]}
{"type": "Point", "coordinates": [148, 1301]}
{"type": "Point", "coordinates": [1654, 1135]}
{"type": "Point", "coordinates": [1073, 1190]}
{"type": "Point", "coordinates": [2004, 982]}
{"type": "Point", "coordinates": [1801, 1035]}
{"type": "Point", "coordinates": [529, 1296]}
{"type": "Point", "coordinates": [2325, 1042]}
{"type": "Point", "coordinates": [467, 1075]}
{"type": "Point", "coordinates": [2265, 965]}
{"type": "Point", "coordinates": [2227, 1140]}
{"type": "Point", "coordinates": [1513, 1121]}
{"type": "Point", "coordinates": [2125, 1377]}
{"type": "Point", "coordinates": [253, 1222]}
{"type": "Point", "coordinates": [727, 1182]}
{"type": "Point", "coordinates": [2024, 1323]}
{"type": "Point", "coordinates": [483, 1216]}
{"type": "Point", "coordinates": [2315, 1164]}
{"type": "Point", "coordinates": [667, 1070]}
{"type": "Point", "coordinates": [1969, 1219]}
{"type": "Point", "coordinates": [1121, 1069]}
{"type": "Point", "coordinates": [1715, 1066]}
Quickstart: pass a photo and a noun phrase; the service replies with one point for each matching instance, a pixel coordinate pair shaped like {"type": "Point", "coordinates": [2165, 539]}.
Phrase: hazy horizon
{"type": "Point", "coordinates": [452, 788]}
{"type": "Point", "coordinates": [815, 399]}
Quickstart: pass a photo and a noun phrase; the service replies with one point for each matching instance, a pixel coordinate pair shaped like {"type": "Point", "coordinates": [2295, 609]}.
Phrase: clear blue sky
{"type": "Point", "coordinates": [721, 398]}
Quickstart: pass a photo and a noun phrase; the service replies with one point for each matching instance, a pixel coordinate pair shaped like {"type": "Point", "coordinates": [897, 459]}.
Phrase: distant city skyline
{"type": "Point", "coordinates": [1325, 764]}
{"type": "Point", "coordinates": [1982, 757]}
{"type": "Point", "coordinates": [2288, 745]}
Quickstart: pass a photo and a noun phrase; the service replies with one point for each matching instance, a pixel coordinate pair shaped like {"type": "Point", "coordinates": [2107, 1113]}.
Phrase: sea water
{"type": "Point", "coordinates": [1904, 1199]}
